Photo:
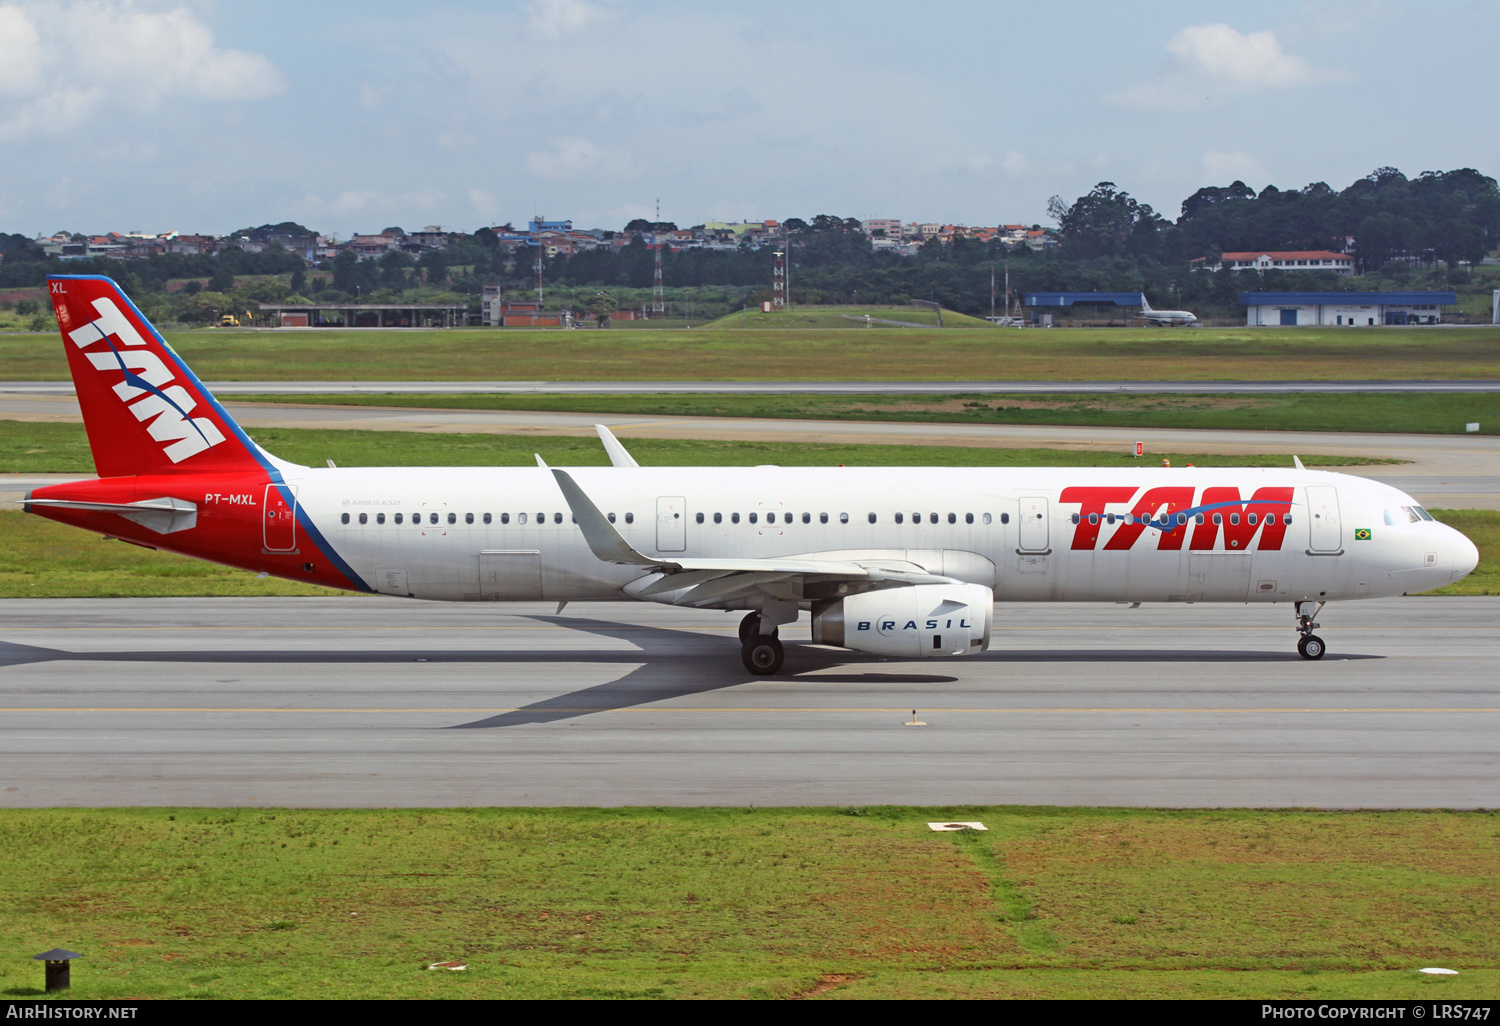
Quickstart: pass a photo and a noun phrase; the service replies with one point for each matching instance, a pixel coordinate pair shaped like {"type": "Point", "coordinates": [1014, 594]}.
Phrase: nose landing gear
{"type": "Point", "coordinates": [1309, 645]}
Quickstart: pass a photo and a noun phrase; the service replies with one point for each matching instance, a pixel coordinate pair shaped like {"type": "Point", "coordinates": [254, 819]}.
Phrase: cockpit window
{"type": "Point", "coordinates": [1423, 513]}
{"type": "Point", "coordinates": [1411, 514]}
{"type": "Point", "coordinates": [1390, 519]}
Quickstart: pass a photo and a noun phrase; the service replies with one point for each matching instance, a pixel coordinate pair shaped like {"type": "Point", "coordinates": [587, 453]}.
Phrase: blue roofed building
{"type": "Point", "coordinates": [1344, 309]}
{"type": "Point", "coordinates": [1039, 303]}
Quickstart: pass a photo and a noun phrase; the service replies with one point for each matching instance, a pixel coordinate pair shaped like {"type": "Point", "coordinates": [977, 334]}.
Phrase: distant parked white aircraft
{"type": "Point", "coordinates": [1166, 317]}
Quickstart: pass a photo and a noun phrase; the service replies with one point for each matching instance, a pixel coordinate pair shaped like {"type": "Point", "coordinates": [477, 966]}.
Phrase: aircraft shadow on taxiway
{"type": "Point", "coordinates": [666, 664]}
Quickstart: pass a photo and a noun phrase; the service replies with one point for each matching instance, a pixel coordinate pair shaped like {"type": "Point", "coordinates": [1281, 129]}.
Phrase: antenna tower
{"type": "Point", "coordinates": [778, 282]}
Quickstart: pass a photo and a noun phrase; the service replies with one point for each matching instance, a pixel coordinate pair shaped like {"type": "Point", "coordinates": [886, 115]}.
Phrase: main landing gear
{"type": "Point", "coordinates": [762, 654]}
{"type": "Point", "coordinates": [1309, 645]}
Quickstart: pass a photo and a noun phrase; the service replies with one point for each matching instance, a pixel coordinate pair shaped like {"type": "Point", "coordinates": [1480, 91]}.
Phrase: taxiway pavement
{"type": "Point", "coordinates": [386, 702]}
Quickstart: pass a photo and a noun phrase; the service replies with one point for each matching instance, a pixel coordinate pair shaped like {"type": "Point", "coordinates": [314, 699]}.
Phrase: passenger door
{"type": "Point", "coordinates": [671, 523]}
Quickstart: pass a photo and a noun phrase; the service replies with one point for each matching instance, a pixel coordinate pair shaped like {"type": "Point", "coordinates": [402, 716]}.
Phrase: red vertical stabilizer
{"type": "Point", "coordinates": [144, 410]}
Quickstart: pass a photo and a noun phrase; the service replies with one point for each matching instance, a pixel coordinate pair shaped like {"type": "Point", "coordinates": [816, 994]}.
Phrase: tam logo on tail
{"type": "Point", "coordinates": [145, 390]}
{"type": "Point", "coordinates": [144, 410]}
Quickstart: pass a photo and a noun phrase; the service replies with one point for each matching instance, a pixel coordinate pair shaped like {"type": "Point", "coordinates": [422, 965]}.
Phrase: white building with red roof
{"type": "Point", "coordinates": [1282, 260]}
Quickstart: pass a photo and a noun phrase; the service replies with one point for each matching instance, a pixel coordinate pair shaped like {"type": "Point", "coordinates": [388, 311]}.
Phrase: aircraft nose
{"type": "Point", "coordinates": [1465, 556]}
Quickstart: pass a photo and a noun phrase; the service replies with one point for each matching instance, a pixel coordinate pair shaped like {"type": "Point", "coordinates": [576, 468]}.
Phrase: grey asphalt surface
{"type": "Point", "coordinates": [1445, 471]}
{"type": "Point", "coordinates": [385, 702]}
{"type": "Point", "coordinates": [789, 387]}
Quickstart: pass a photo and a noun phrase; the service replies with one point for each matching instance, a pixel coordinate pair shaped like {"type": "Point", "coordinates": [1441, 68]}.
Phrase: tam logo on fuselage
{"type": "Point", "coordinates": [146, 390]}
{"type": "Point", "coordinates": [1171, 511]}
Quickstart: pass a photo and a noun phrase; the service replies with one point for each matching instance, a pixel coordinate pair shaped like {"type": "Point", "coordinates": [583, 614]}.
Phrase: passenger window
{"type": "Point", "coordinates": [898, 518]}
{"type": "Point", "coordinates": [1218, 519]}
{"type": "Point", "coordinates": [807, 518]}
{"type": "Point", "coordinates": [345, 518]}
{"type": "Point", "coordinates": [752, 518]}
{"type": "Point", "coordinates": [1286, 518]}
{"type": "Point", "coordinates": [630, 518]}
{"type": "Point", "coordinates": [452, 518]}
{"type": "Point", "coordinates": [1004, 518]}
{"type": "Point", "coordinates": [734, 518]}
{"type": "Point", "coordinates": [380, 518]}
{"type": "Point", "coordinates": [398, 518]}
{"type": "Point", "coordinates": [872, 518]}
{"type": "Point", "coordinates": [1093, 518]}
{"type": "Point", "coordinates": [718, 518]}
{"type": "Point", "coordinates": [1270, 518]}
{"type": "Point", "coordinates": [541, 518]}
{"type": "Point", "coordinates": [1234, 518]}
{"type": "Point", "coordinates": [1198, 519]}
{"type": "Point", "coordinates": [1250, 520]}
{"type": "Point", "coordinates": [468, 518]}
{"type": "Point", "coordinates": [699, 518]}
{"type": "Point", "coordinates": [953, 518]}
{"type": "Point", "coordinates": [364, 518]}
{"type": "Point", "coordinates": [843, 518]}
{"type": "Point", "coordinates": [969, 518]}
{"type": "Point", "coordinates": [987, 517]}
{"type": "Point", "coordinates": [486, 518]}
{"type": "Point", "coordinates": [505, 518]}
{"type": "Point", "coordinates": [520, 518]}
{"type": "Point", "coordinates": [557, 518]}
{"type": "Point", "coordinates": [1077, 519]}
{"type": "Point", "coordinates": [933, 518]}
{"type": "Point", "coordinates": [611, 518]}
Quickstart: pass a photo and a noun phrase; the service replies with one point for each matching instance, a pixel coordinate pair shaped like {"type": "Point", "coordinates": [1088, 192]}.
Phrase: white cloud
{"type": "Point", "coordinates": [1209, 63]}
{"type": "Point", "coordinates": [484, 203]}
{"type": "Point", "coordinates": [369, 201]}
{"type": "Point", "coordinates": [1226, 167]}
{"type": "Point", "coordinates": [557, 18]}
{"type": "Point", "coordinates": [576, 158]}
{"type": "Point", "coordinates": [1014, 163]}
{"type": "Point", "coordinates": [63, 63]}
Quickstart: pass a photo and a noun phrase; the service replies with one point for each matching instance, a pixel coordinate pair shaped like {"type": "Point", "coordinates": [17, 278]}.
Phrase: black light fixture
{"type": "Point", "coordinates": [58, 977]}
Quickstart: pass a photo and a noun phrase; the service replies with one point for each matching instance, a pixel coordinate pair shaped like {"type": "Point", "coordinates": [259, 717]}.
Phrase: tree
{"type": "Point", "coordinates": [222, 279]}
{"type": "Point", "coordinates": [1108, 222]}
{"type": "Point", "coordinates": [600, 307]}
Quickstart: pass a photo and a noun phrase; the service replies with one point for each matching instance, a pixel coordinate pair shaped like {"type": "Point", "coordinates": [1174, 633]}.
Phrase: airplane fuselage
{"type": "Point", "coordinates": [462, 534]}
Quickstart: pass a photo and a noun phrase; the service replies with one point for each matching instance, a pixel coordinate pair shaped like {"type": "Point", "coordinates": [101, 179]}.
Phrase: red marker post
{"type": "Point", "coordinates": [1140, 449]}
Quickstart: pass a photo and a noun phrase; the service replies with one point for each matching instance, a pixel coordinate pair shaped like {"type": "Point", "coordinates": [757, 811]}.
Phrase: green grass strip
{"type": "Point", "coordinates": [735, 903]}
{"type": "Point", "coordinates": [1446, 413]}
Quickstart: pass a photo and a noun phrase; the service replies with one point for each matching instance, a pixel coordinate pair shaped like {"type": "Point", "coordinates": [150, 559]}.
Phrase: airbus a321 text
{"type": "Point", "coordinates": [900, 562]}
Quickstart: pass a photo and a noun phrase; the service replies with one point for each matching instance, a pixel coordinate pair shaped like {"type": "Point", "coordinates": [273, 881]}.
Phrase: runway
{"type": "Point", "coordinates": [1445, 471]}
{"type": "Point", "coordinates": [357, 702]}
{"type": "Point", "coordinates": [220, 388]}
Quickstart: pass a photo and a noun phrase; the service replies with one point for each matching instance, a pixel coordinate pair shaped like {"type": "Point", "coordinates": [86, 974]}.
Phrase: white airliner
{"type": "Point", "coordinates": [1166, 317]}
{"type": "Point", "coordinates": [896, 561]}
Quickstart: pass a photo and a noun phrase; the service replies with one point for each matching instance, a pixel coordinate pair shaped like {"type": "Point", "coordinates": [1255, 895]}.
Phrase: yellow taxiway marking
{"type": "Point", "coordinates": [1133, 710]}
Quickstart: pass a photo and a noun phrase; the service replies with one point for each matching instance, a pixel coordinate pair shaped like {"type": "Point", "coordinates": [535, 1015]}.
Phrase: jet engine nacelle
{"type": "Point", "coordinates": [917, 621]}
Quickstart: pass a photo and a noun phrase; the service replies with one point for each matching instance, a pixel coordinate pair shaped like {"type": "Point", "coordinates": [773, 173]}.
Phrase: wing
{"type": "Point", "coordinates": [720, 582]}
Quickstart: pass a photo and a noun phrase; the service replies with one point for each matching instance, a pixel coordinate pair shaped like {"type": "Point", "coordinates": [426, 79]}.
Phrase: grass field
{"type": "Point", "coordinates": [1447, 413]}
{"type": "Point", "coordinates": [769, 903]}
{"type": "Point", "coordinates": [897, 354]}
{"type": "Point", "coordinates": [28, 447]}
{"type": "Point", "coordinates": [833, 316]}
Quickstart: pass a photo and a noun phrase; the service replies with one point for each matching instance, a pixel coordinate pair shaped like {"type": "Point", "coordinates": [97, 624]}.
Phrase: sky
{"type": "Point", "coordinates": [351, 117]}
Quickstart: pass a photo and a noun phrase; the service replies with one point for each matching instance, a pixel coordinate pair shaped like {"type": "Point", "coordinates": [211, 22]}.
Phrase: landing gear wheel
{"type": "Point", "coordinates": [762, 655]}
{"type": "Point", "coordinates": [1310, 646]}
{"type": "Point", "coordinates": [750, 627]}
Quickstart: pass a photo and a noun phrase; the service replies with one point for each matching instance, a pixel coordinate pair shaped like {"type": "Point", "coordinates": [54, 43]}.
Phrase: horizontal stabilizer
{"type": "Point", "coordinates": [163, 516]}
